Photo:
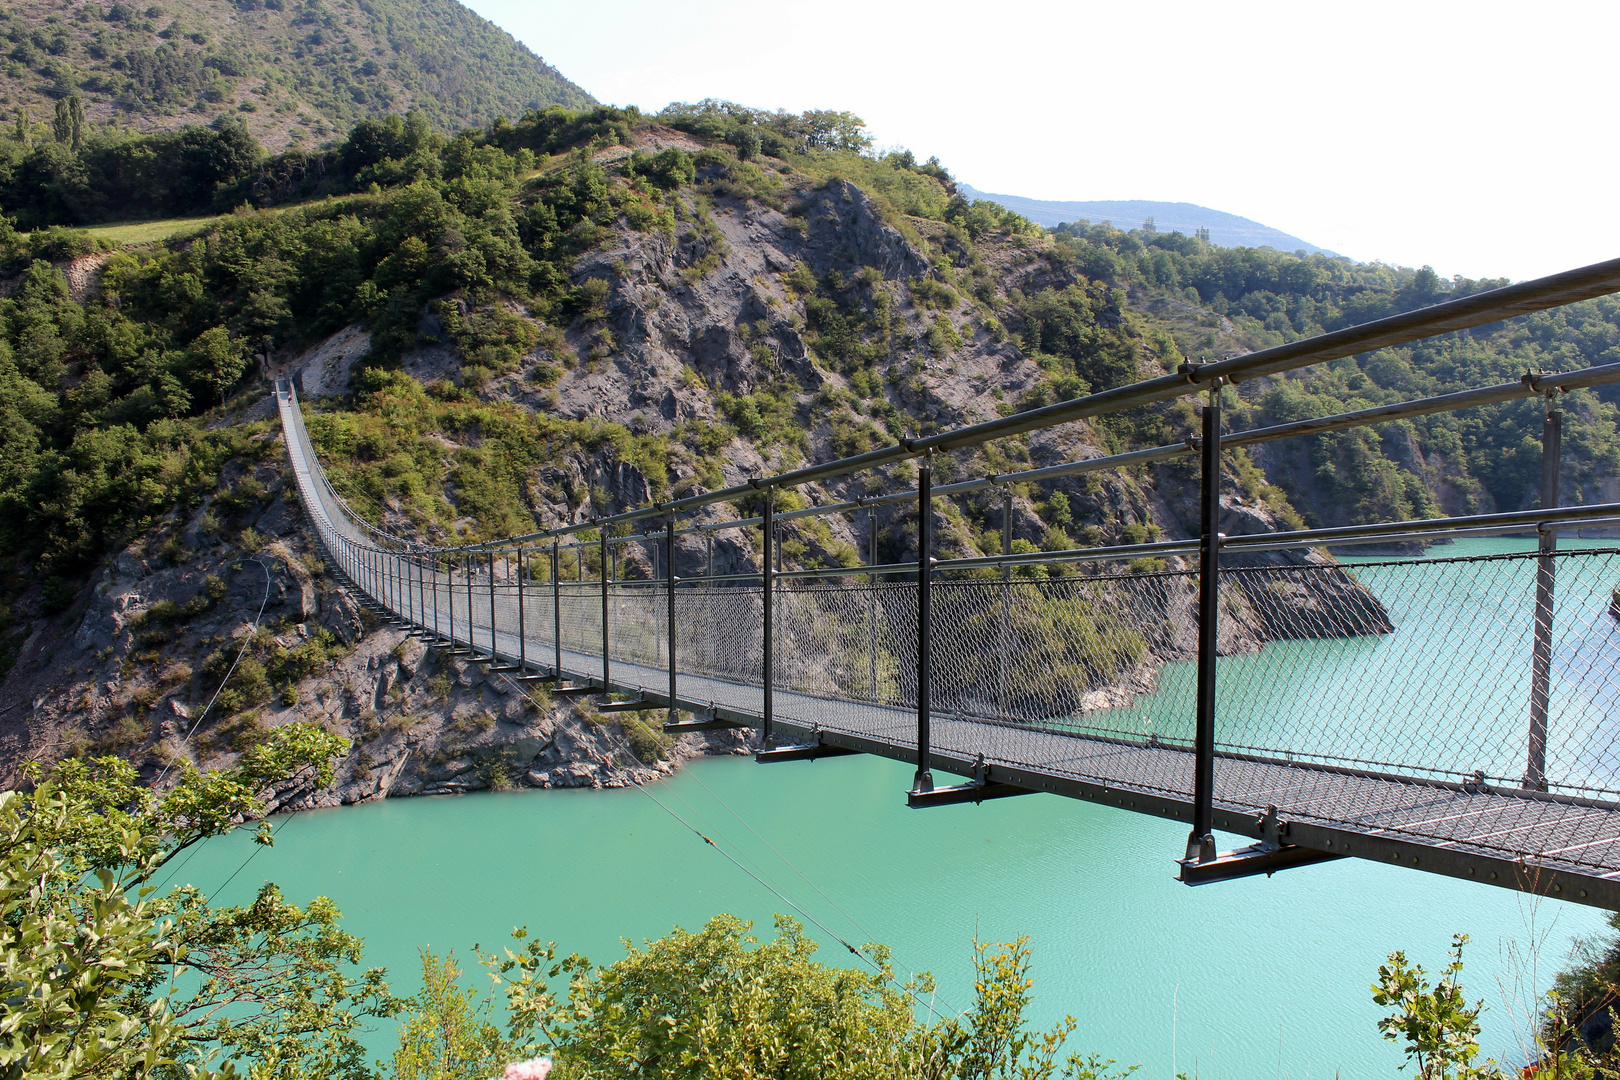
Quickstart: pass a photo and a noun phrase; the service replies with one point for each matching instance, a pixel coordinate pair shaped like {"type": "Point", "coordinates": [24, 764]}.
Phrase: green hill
{"type": "Point", "coordinates": [295, 71]}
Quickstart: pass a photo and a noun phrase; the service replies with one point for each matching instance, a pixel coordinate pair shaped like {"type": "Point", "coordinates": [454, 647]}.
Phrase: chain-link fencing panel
{"type": "Point", "coordinates": [581, 605]}
{"type": "Point", "coordinates": [847, 654]}
{"type": "Point", "coordinates": [1424, 668]}
{"type": "Point", "coordinates": [720, 644]}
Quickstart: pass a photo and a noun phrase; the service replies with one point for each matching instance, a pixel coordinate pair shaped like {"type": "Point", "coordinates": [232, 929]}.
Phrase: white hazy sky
{"type": "Point", "coordinates": [1476, 137]}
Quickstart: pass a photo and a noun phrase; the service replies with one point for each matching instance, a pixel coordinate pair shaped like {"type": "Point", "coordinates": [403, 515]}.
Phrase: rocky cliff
{"type": "Point", "coordinates": [797, 318]}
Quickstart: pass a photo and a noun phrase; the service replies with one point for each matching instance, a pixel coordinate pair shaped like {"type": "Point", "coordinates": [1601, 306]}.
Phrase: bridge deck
{"type": "Point", "coordinates": [1550, 845]}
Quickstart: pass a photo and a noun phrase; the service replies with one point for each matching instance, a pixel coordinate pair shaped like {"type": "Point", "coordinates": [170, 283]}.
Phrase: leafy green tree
{"type": "Point", "coordinates": [218, 360]}
{"type": "Point", "coordinates": [447, 1035]}
{"type": "Point", "coordinates": [112, 978]}
{"type": "Point", "coordinates": [719, 1003]}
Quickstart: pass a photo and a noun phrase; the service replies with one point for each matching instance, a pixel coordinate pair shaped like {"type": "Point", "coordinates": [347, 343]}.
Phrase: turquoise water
{"type": "Point", "coordinates": [1256, 978]}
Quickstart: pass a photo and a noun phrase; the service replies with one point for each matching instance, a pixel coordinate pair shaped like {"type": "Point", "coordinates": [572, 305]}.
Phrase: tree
{"type": "Point", "coordinates": [448, 1034]}
{"type": "Point", "coordinates": [93, 953]}
{"type": "Point", "coordinates": [218, 359]}
{"type": "Point", "coordinates": [719, 1003]}
{"type": "Point", "coordinates": [62, 122]}
{"type": "Point", "coordinates": [76, 122]}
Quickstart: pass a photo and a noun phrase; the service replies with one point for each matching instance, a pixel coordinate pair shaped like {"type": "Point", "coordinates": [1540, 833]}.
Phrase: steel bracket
{"type": "Point", "coordinates": [1271, 854]}
{"type": "Point", "coordinates": [700, 722]}
{"type": "Point", "coordinates": [976, 790]}
{"type": "Point", "coordinates": [964, 793]}
{"type": "Point", "coordinates": [639, 705]}
{"type": "Point", "coordinates": [801, 753]}
{"type": "Point", "coordinates": [684, 726]}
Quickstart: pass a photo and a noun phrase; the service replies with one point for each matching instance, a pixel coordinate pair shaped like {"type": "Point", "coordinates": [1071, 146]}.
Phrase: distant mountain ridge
{"type": "Point", "coordinates": [295, 71]}
{"type": "Point", "coordinates": [1227, 230]}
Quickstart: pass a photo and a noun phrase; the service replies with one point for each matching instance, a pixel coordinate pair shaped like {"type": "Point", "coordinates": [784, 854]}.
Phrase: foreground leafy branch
{"type": "Point", "coordinates": [106, 978]}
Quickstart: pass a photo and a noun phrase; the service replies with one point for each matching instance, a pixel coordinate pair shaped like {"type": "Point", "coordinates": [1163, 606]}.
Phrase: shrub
{"type": "Point", "coordinates": [647, 744]}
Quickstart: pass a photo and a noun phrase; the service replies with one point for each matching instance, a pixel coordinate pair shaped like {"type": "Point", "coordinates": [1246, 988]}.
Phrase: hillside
{"type": "Point", "coordinates": [297, 72]}
{"type": "Point", "coordinates": [575, 313]}
{"type": "Point", "coordinates": [1224, 230]}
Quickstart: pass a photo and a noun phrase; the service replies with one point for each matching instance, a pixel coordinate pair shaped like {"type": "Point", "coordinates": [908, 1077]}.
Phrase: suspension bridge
{"type": "Point", "coordinates": [1456, 715]}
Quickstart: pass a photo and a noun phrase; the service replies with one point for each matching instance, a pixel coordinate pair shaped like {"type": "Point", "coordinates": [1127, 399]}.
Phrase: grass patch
{"type": "Point", "coordinates": [149, 232]}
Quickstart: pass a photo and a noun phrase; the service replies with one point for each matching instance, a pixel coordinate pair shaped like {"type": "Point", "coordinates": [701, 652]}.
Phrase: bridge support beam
{"type": "Point", "coordinates": [1201, 842]}
{"type": "Point", "coordinates": [924, 780]}
{"type": "Point", "coordinates": [1535, 772]}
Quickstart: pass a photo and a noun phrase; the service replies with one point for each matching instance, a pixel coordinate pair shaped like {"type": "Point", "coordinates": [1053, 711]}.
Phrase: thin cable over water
{"type": "Point", "coordinates": [246, 641]}
{"type": "Point", "coordinates": [765, 884]}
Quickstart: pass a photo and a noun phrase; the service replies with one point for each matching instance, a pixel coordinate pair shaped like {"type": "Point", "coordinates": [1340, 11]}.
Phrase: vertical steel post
{"type": "Point", "coordinates": [421, 592]}
{"type": "Point", "coordinates": [767, 725]}
{"type": "Point", "coordinates": [924, 780]}
{"type": "Point", "coordinates": [1552, 437]}
{"type": "Point", "coordinates": [1201, 843]}
{"type": "Point", "coordinates": [556, 608]}
{"type": "Point", "coordinates": [871, 605]}
{"type": "Point", "coordinates": [450, 597]}
{"type": "Point", "coordinates": [492, 619]}
{"type": "Point", "coordinates": [472, 617]}
{"type": "Point", "coordinates": [1006, 604]}
{"type": "Point", "coordinates": [433, 568]}
{"type": "Point", "coordinates": [709, 571]}
{"type": "Point", "coordinates": [669, 585]}
{"type": "Point", "coordinates": [523, 627]}
{"type": "Point", "coordinates": [605, 661]}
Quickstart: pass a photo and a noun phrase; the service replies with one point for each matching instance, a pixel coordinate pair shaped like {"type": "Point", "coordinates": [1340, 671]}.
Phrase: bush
{"type": "Point", "coordinates": [646, 743]}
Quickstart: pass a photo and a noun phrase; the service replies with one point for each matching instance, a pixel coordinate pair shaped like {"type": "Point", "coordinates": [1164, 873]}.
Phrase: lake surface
{"type": "Point", "coordinates": [1255, 978]}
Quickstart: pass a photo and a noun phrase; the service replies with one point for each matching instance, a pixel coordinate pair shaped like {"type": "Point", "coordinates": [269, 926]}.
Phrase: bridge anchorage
{"type": "Point", "coordinates": [1456, 715]}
